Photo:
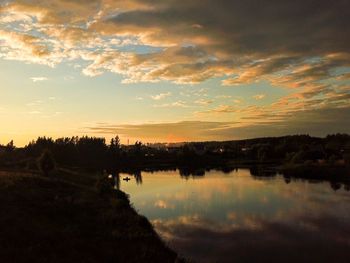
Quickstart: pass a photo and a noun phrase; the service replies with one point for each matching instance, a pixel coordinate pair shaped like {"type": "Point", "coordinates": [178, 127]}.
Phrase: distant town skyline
{"type": "Point", "coordinates": [173, 71]}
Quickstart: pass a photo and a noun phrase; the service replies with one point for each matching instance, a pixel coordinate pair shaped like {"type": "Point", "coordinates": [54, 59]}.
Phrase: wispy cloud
{"type": "Point", "coordinates": [160, 96]}
{"type": "Point", "coordinates": [203, 102]}
{"type": "Point", "coordinates": [34, 103]}
{"type": "Point", "coordinates": [39, 79]}
{"type": "Point", "coordinates": [259, 96]}
{"type": "Point", "coordinates": [176, 104]}
{"type": "Point", "coordinates": [222, 109]}
{"type": "Point", "coordinates": [223, 97]}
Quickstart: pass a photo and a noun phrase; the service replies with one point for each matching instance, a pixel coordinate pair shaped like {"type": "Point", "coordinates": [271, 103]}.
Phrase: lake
{"type": "Point", "coordinates": [237, 217]}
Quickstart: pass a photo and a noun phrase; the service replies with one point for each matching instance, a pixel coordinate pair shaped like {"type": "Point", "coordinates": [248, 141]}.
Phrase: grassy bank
{"type": "Point", "coordinates": [59, 220]}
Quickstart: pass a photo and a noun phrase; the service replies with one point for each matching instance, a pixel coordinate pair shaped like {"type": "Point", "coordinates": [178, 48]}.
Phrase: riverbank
{"type": "Point", "coordinates": [62, 220]}
{"type": "Point", "coordinates": [326, 172]}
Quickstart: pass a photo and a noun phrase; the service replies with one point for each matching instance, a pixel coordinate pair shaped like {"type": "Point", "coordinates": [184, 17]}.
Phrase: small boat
{"type": "Point", "coordinates": [126, 179]}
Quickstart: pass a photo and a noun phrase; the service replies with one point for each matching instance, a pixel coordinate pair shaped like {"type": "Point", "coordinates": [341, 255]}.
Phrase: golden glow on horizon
{"type": "Point", "coordinates": [71, 68]}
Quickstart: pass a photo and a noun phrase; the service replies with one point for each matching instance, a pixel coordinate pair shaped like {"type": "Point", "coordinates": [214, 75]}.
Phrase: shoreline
{"type": "Point", "coordinates": [55, 220]}
{"type": "Point", "coordinates": [68, 217]}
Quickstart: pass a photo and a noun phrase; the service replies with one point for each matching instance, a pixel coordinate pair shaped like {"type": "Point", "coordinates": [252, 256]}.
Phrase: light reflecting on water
{"type": "Point", "coordinates": [235, 217]}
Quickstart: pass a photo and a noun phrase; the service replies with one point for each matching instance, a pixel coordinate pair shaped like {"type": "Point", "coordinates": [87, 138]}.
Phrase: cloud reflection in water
{"type": "Point", "coordinates": [236, 218]}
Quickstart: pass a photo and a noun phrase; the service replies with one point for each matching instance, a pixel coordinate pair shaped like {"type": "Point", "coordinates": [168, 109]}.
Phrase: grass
{"type": "Point", "coordinates": [59, 220]}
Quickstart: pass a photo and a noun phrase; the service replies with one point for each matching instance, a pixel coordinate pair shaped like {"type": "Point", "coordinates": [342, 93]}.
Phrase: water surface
{"type": "Point", "coordinates": [236, 217]}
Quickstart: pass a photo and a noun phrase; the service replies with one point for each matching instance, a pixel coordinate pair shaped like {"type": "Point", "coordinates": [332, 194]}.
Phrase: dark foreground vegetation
{"type": "Point", "coordinates": [58, 206]}
{"type": "Point", "coordinates": [56, 219]}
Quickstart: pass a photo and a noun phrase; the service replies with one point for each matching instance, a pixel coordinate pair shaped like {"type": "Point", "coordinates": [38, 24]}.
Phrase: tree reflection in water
{"type": "Point", "coordinates": [246, 215]}
{"type": "Point", "coordinates": [138, 177]}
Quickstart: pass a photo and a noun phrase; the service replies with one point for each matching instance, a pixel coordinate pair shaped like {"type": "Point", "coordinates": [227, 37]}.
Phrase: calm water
{"type": "Point", "coordinates": [235, 217]}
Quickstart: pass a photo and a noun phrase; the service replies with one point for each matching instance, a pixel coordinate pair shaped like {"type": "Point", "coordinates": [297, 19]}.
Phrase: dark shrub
{"type": "Point", "coordinates": [46, 163]}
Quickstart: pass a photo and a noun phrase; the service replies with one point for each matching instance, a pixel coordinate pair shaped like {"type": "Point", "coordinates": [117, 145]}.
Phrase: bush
{"type": "Point", "coordinates": [46, 163]}
{"type": "Point", "coordinates": [104, 186]}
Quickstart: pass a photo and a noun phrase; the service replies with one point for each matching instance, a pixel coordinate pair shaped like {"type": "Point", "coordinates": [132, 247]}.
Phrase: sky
{"type": "Point", "coordinates": [172, 71]}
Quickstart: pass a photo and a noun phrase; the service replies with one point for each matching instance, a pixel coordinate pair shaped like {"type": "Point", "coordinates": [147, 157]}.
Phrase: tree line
{"type": "Point", "coordinates": [97, 153]}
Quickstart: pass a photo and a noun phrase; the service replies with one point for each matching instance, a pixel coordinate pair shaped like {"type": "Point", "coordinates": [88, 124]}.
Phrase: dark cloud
{"type": "Point", "coordinates": [181, 131]}
{"type": "Point", "coordinates": [248, 39]}
{"type": "Point", "coordinates": [319, 122]}
{"type": "Point", "coordinates": [245, 27]}
{"type": "Point", "coordinates": [314, 122]}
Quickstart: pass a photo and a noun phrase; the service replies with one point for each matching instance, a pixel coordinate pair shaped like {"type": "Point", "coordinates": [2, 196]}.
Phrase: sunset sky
{"type": "Point", "coordinates": [170, 71]}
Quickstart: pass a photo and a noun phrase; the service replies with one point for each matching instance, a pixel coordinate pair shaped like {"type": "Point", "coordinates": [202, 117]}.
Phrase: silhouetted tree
{"type": "Point", "coordinates": [10, 147]}
{"type": "Point", "coordinates": [115, 143]}
{"type": "Point", "coordinates": [93, 153]}
{"type": "Point", "coordinates": [114, 152]}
